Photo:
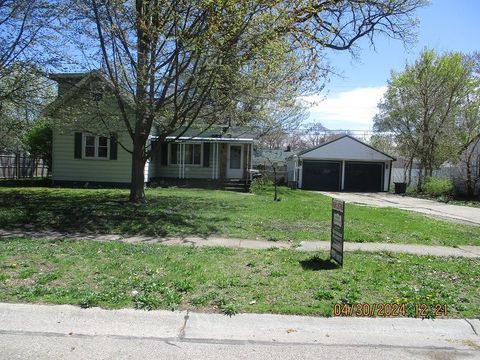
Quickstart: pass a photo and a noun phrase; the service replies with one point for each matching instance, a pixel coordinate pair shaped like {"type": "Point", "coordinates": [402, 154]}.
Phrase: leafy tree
{"type": "Point", "coordinates": [468, 135]}
{"type": "Point", "coordinates": [384, 142]}
{"type": "Point", "coordinates": [185, 63]}
{"type": "Point", "coordinates": [467, 132]}
{"type": "Point", "coordinates": [38, 142]}
{"type": "Point", "coordinates": [421, 105]}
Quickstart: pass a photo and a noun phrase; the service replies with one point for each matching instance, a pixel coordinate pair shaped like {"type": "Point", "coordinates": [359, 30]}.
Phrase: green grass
{"type": "Point", "coordinates": [300, 215]}
{"type": "Point", "coordinates": [118, 275]}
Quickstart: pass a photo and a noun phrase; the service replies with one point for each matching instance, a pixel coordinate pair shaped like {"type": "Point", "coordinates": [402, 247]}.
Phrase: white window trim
{"type": "Point", "coordinates": [95, 157]}
{"type": "Point", "coordinates": [179, 150]}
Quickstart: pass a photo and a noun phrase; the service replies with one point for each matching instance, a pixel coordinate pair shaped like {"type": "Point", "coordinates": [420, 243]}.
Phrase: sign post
{"type": "Point", "coordinates": [336, 247]}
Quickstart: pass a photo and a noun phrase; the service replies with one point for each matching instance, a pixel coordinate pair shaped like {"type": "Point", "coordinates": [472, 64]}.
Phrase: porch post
{"type": "Point", "coordinates": [214, 162]}
{"type": "Point", "coordinates": [183, 160]}
{"type": "Point", "coordinates": [217, 161]}
{"type": "Point", "coordinates": [251, 159]}
{"type": "Point", "coordinates": [179, 160]}
{"type": "Point", "coordinates": [342, 187]}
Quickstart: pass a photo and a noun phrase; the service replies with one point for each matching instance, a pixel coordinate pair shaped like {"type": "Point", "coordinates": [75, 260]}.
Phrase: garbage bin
{"type": "Point", "coordinates": [400, 188]}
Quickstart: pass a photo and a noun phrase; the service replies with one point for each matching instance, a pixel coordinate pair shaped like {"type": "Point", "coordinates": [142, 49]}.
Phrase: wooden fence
{"type": "Point", "coordinates": [17, 166]}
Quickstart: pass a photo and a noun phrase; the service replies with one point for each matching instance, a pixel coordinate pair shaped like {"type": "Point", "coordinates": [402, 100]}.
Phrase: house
{"type": "Point", "coordinates": [91, 145]}
{"type": "Point", "coordinates": [341, 164]}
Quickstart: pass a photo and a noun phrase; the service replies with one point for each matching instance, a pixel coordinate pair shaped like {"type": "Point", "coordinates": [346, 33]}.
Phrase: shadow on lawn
{"type": "Point", "coordinates": [315, 263]}
{"type": "Point", "coordinates": [107, 211]}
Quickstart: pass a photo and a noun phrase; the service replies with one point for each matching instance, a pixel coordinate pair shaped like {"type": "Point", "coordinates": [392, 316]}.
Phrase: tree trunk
{"type": "Point", "coordinates": [420, 177]}
{"type": "Point", "coordinates": [137, 192]}
{"type": "Point", "coordinates": [470, 184]}
{"type": "Point", "coordinates": [275, 183]}
{"type": "Point", "coordinates": [410, 166]}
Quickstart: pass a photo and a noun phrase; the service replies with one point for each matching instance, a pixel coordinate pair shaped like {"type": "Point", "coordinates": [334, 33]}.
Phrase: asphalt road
{"type": "Point", "coordinates": [67, 332]}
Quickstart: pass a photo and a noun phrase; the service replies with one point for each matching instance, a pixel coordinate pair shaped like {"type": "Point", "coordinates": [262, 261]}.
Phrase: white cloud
{"type": "Point", "coordinates": [353, 107]}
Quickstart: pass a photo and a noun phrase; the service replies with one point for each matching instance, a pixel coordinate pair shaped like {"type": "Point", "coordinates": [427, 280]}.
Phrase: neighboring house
{"type": "Point", "coordinates": [91, 144]}
{"type": "Point", "coordinates": [264, 160]}
{"type": "Point", "coordinates": [342, 164]}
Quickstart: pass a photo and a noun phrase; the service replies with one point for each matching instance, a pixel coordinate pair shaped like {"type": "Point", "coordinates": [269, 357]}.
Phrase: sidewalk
{"type": "Point", "coordinates": [460, 251]}
{"type": "Point", "coordinates": [42, 331]}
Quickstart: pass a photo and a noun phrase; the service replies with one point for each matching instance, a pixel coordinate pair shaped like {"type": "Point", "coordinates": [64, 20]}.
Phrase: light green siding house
{"type": "Point", "coordinates": [91, 146]}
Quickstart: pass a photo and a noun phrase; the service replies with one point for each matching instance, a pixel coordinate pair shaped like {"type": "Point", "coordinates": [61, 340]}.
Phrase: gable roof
{"type": "Point", "coordinates": [83, 79]}
{"type": "Point", "coordinates": [340, 138]}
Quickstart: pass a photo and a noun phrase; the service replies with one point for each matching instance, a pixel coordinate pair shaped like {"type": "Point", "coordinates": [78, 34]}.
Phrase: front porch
{"type": "Point", "coordinates": [209, 164]}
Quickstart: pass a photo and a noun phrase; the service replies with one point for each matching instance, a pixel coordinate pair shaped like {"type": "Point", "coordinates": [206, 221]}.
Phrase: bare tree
{"type": "Point", "coordinates": [25, 52]}
{"type": "Point", "coordinates": [184, 63]}
{"type": "Point", "coordinates": [316, 134]}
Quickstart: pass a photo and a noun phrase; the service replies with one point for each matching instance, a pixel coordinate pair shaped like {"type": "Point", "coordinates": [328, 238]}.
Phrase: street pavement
{"type": "Point", "coordinates": [67, 332]}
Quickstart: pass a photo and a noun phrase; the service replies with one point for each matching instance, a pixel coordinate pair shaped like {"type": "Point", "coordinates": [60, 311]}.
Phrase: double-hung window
{"type": "Point", "coordinates": [95, 147]}
{"type": "Point", "coordinates": [193, 154]}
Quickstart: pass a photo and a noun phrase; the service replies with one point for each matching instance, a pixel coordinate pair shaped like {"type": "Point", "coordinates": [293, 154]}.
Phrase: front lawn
{"type": "Point", "coordinates": [300, 215]}
{"type": "Point", "coordinates": [116, 275]}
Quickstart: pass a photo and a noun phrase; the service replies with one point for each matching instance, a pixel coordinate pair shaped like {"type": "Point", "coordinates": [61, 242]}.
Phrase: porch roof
{"type": "Point", "coordinates": [206, 139]}
{"type": "Point", "coordinates": [212, 134]}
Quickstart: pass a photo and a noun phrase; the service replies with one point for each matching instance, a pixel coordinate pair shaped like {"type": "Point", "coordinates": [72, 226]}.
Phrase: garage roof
{"type": "Point", "coordinates": [345, 147]}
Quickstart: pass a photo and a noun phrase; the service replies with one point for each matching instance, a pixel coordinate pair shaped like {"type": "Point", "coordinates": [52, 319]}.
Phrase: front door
{"type": "Point", "coordinates": [235, 162]}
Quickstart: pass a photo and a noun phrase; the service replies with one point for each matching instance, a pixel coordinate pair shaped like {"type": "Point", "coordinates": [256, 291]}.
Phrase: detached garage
{"type": "Point", "coordinates": [342, 164]}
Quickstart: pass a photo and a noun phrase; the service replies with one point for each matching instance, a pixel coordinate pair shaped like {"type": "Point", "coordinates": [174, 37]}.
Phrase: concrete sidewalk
{"type": "Point", "coordinates": [41, 331]}
{"type": "Point", "coordinates": [460, 251]}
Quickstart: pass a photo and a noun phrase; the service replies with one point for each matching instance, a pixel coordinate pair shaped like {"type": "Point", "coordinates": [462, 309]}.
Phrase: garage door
{"type": "Point", "coordinates": [321, 175]}
{"type": "Point", "coordinates": [363, 176]}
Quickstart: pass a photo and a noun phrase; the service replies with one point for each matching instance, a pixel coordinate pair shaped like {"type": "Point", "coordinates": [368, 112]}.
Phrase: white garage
{"type": "Point", "coordinates": [342, 164]}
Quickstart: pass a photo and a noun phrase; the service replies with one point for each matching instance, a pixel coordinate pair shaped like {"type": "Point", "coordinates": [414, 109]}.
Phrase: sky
{"type": "Point", "coordinates": [350, 101]}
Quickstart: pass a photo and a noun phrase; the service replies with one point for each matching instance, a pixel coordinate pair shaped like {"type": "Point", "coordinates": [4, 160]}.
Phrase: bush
{"type": "Point", "coordinates": [437, 187]}
{"type": "Point", "coordinates": [411, 190]}
{"type": "Point", "coordinates": [260, 185]}
{"type": "Point", "coordinates": [39, 142]}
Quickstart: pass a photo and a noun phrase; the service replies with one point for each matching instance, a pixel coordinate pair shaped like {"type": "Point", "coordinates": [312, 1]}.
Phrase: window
{"type": "Point", "coordinates": [193, 154]}
{"type": "Point", "coordinates": [173, 154]}
{"type": "Point", "coordinates": [95, 147]}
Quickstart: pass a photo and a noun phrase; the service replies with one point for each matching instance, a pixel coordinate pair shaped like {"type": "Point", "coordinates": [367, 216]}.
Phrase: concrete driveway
{"type": "Point", "coordinates": [455, 213]}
